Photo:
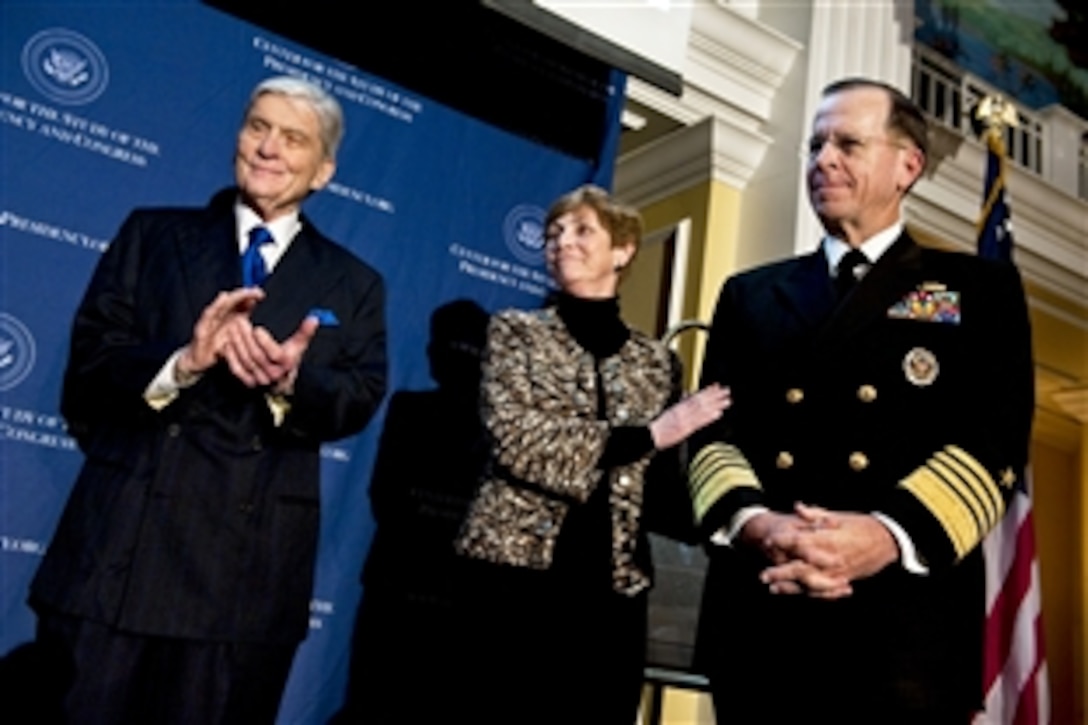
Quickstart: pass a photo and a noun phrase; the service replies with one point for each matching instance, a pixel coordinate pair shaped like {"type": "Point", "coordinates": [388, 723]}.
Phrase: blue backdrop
{"type": "Point", "coordinates": [108, 107]}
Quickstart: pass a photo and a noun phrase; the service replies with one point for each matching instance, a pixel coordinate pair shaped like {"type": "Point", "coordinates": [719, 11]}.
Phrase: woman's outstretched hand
{"type": "Point", "coordinates": [689, 415]}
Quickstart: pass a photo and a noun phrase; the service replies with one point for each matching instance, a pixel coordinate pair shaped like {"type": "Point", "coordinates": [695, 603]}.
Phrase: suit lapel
{"type": "Point", "coordinates": [209, 263]}
{"type": "Point", "coordinates": [208, 256]}
{"type": "Point", "coordinates": [891, 277]}
{"type": "Point", "coordinates": [807, 290]}
{"type": "Point", "coordinates": [298, 281]}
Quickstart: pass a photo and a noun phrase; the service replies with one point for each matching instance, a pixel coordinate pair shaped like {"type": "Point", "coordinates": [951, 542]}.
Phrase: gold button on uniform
{"type": "Point", "coordinates": [859, 461]}
{"type": "Point", "coordinates": [795, 395]}
{"type": "Point", "coordinates": [784, 460]}
{"type": "Point", "coordinates": [866, 393]}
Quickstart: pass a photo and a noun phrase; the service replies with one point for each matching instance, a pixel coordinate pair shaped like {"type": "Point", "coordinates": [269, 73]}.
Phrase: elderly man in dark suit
{"type": "Point", "coordinates": [883, 395]}
{"type": "Point", "coordinates": [214, 351]}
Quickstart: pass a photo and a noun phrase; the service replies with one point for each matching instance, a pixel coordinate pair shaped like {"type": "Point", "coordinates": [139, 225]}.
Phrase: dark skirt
{"type": "Point", "coordinates": [547, 647]}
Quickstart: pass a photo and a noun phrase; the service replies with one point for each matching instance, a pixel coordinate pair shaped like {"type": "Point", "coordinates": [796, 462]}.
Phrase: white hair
{"type": "Point", "coordinates": [330, 116]}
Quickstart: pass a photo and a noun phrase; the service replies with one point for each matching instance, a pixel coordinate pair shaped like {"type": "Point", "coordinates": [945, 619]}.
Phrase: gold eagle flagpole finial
{"type": "Point", "coordinates": [995, 114]}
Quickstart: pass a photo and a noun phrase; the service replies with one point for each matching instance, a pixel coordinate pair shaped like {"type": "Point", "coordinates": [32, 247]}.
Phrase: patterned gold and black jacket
{"type": "Point", "coordinates": [540, 407]}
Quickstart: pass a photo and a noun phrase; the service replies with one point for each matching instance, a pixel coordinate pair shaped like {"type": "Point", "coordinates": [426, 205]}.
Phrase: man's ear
{"type": "Point", "coordinates": [323, 175]}
{"type": "Point", "coordinates": [912, 164]}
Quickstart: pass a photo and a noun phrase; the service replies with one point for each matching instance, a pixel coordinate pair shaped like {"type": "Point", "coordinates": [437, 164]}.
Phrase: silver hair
{"type": "Point", "coordinates": [330, 116]}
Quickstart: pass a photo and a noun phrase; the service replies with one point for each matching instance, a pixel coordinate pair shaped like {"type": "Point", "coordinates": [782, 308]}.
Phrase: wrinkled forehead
{"type": "Point", "coordinates": [855, 111]}
{"type": "Point", "coordinates": [285, 107]}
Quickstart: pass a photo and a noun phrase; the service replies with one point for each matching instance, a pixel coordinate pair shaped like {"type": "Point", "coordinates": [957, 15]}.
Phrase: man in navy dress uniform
{"type": "Point", "coordinates": [882, 404]}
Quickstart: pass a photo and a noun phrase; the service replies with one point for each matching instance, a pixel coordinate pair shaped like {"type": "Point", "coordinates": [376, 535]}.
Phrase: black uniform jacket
{"type": "Point", "coordinates": [913, 398]}
{"type": "Point", "coordinates": [200, 520]}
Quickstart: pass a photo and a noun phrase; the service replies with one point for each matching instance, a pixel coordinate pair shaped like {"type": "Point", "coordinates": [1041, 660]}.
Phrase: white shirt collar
{"type": "Point", "coordinates": [283, 230]}
{"type": "Point", "coordinates": [873, 247]}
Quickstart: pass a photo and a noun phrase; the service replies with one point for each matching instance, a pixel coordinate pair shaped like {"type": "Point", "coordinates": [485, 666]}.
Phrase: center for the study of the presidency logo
{"type": "Point", "coordinates": [65, 66]}
{"type": "Point", "coordinates": [523, 230]}
{"type": "Point", "coordinates": [16, 351]}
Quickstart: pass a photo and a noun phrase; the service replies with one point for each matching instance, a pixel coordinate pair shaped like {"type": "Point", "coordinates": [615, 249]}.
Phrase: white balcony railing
{"type": "Point", "coordinates": [948, 94]}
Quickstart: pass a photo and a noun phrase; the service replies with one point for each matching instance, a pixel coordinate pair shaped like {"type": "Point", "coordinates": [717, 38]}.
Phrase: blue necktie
{"type": "Point", "coordinates": [253, 269]}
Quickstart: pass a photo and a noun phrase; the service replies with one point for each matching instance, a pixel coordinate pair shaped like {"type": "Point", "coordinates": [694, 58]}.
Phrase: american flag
{"type": "Point", "coordinates": [1014, 664]}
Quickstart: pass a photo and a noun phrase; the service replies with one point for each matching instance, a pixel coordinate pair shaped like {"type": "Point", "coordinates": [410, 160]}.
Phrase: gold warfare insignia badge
{"type": "Point", "coordinates": [920, 366]}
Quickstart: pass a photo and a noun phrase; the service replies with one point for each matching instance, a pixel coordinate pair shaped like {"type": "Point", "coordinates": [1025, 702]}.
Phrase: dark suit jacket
{"type": "Point", "coordinates": [201, 520]}
{"type": "Point", "coordinates": [885, 403]}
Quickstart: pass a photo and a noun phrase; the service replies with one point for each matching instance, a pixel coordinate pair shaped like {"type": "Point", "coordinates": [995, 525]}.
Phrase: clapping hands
{"type": "Point", "coordinates": [225, 332]}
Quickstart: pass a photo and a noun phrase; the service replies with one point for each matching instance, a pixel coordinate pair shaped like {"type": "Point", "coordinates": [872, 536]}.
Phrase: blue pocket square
{"type": "Point", "coordinates": [324, 316]}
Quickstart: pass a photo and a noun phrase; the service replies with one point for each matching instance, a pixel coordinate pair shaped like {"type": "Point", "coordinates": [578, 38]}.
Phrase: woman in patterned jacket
{"type": "Point", "coordinates": [582, 416]}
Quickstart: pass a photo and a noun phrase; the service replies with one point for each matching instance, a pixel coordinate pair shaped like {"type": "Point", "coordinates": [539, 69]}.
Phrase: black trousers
{"type": "Point", "coordinates": [786, 700]}
{"type": "Point", "coordinates": [94, 674]}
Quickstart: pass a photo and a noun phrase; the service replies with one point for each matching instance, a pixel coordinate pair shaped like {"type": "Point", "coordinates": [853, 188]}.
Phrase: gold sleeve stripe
{"type": "Point", "coordinates": [961, 488]}
{"type": "Point", "coordinates": [986, 482]}
{"type": "Point", "coordinates": [947, 507]}
{"type": "Point", "coordinates": [716, 470]}
{"type": "Point", "coordinates": [983, 493]}
{"type": "Point", "coordinates": [711, 455]}
{"type": "Point", "coordinates": [960, 493]}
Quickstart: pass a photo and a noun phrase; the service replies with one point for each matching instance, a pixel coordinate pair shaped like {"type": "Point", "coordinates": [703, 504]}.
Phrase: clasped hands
{"type": "Point", "coordinates": [225, 332]}
{"type": "Point", "coordinates": [819, 552]}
